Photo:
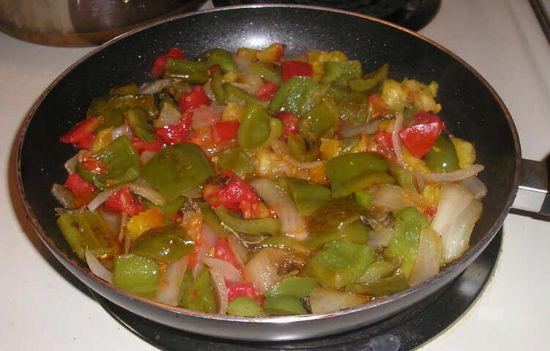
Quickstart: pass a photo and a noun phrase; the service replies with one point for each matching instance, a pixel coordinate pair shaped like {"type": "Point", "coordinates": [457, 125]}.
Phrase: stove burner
{"type": "Point", "coordinates": [405, 331]}
{"type": "Point", "coordinates": [413, 14]}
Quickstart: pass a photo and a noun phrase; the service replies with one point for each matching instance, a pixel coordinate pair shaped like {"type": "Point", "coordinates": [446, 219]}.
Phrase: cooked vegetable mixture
{"type": "Point", "coordinates": [253, 184]}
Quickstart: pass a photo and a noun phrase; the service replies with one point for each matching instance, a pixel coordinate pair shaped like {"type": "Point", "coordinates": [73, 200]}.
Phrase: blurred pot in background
{"type": "Point", "coordinates": [83, 22]}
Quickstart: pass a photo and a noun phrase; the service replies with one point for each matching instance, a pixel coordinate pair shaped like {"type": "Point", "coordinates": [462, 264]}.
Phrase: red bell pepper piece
{"type": "Point", "coordinates": [377, 106]}
{"type": "Point", "coordinates": [79, 186]}
{"type": "Point", "coordinates": [159, 66]}
{"type": "Point", "coordinates": [266, 91]}
{"type": "Point", "coordinates": [224, 131]}
{"type": "Point", "coordinates": [82, 134]}
{"type": "Point", "coordinates": [290, 123]}
{"type": "Point", "coordinates": [150, 146]}
{"type": "Point", "coordinates": [176, 133]}
{"type": "Point", "coordinates": [194, 99]}
{"type": "Point", "coordinates": [246, 289]}
{"type": "Point", "coordinates": [295, 68]}
{"type": "Point", "coordinates": [123, 201]}
{"type": "Point", "coordinates": [419, 137]}
{"type": "Point", "coordinates": [235, 195]}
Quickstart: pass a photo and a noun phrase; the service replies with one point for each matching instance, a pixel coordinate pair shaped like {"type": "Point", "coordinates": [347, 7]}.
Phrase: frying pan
{"type": "Point", "coordinates": [471, 110]}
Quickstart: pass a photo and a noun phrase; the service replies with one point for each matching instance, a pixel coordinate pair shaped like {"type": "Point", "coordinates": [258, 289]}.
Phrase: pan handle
{"type": "Point", "coordinates": [533, 195]}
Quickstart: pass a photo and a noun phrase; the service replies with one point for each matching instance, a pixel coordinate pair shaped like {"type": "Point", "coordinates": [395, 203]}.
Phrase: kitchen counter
{"type": "Point", "coordinates": [43, 307]}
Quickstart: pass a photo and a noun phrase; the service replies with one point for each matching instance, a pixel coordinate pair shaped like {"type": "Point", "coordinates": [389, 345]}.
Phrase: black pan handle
{"type": "Point", "coordinates": [533, 195]}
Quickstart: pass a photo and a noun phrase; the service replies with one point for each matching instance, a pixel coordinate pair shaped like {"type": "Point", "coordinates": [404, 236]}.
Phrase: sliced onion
{"type": "Point", "coordinates": [262, 269]}
{"type": "Point", "coordinates": [456, 239]}
{"type": "Point", "coordinates": [243, 65]}
{"type": "Point", "coordinates": [122, 130]}
{"type": "Point", "coordinates": [475, 186]}
{"type": "Point", "coordinates": [389, 197]}
{"type": "Point", "coordinates": [169, 115]}
{"type": "Point", "coordinates": [396, 140]}
{"type": "Point", "coordinates": [292, 224]}
{"type": "Point", "coordinates": [154, 86]}
{"type": "Point", "coordinates": [419, 179]}
{"type": "Point", "coordinates": [229, 272]}
{"type": "Point", "coordinates": [428, 258]}
{"type": "Point", "coordinates": [169, 284]}
{"type": "Point", "coordinates": [281, 149]}
{"type": "Point", "coordinates": [96, 267]}
{"type": "Point", "coordinates": [240, 251]}
{"type": "Point", "coordinates": [454, 176]}
{"type": "Point", "coordinates": [369, 128]}
{"type": "Point", "coordinates": [205, 116]}
{"type": "Point", "coordinates": [114, 219]}
{"type": "Point", "coordinates": [146, 155]}
{"type": "Point", "coordinates": [70, 165]}
{"type": "Point", "coordinates": [221, 290]}
{"type": "Point", "coordinates": [326, 301]}
{"type": "Point", "coordinates": [453, 200]}
{"type": "Point", "coordinates": [380, 237]}
{"type": "Point", "coordinates": [100, 198]}
{"type": "Point", "coordinates": [122, 229]}
{"type": "Point", "coordinates": [207, 241]}
{"type": "Point", "coordinates": [147, 192]}
{"type": "Point", "coordinates": [63, 196]}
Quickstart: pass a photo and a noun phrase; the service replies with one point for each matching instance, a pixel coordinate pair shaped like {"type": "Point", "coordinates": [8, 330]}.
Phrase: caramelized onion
{"type": "Point", "coordinates": [170, 282]}
{"type": "Point", "coordinates": [96, 267]}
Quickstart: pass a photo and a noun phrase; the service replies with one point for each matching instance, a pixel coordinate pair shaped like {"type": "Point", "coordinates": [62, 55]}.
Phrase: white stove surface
{"type": "Point", "coordinates": [42, 308]}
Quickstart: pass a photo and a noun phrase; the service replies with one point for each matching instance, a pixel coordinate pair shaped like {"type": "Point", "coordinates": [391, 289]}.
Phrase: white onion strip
{"type": "Point", "coordinates": [292, 224]}
{"type": "Point", "coordinates": [369, 128]}
{"type": "Point", "coordinates": [396, 140]}
{"type": "Point", "coordinates": [148, 193]}
{"type": "Point", "coordinates": [207, 241]}
{"type": "Point", "coordinates": [168, 287]}
{"type": "Point", "coordinates": [229, 272]}
{"type": "Point", "coordinates": [221, 290]}
{"type": "Point", "coordinates": [100, 198]}
{"type": "Point", "coordinates": [96, 267]}
{"type": "Point", "coordinates": [454, 176]}
{"type": "Point", "coordinates": [262, 269]}
{"type": "Point", "coordinates": [281, 150]}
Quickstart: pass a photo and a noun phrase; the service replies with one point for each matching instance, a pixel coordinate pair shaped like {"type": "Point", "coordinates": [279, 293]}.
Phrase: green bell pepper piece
{"type": "Point", "coordinates": [112, 108]}
{"type": "Point", "coordinates": [293, 286]}
{"type": "Point", "coordinates": [234, 94]}
{"type": "Point", "coordinates": [378, 270]}
{"type": "Point", "coordinates": [307, 196]}
{"type": "Point", "coordinates": [403, 246]}
{"type": "Point", "coordinates": [283, 305]}
{"type": "Point", "coordinates": [254, 129]}
{"type": "Point", "coordinates": [297, 95]}
{"type": "Point", "coordinates": [237, 160]}
{"type": "Point", "coordinates": [369, 82]}
{"type": "Point", "coordinates": [177, 169]}
{"type": "Point", "coordinates": [340, 263]}
{"type": "Point", "coordinates": [136, 274]}
{"type": "Point", "coordinates": [136, 118]}
{"type": "Point", "coordinates": [354, 109]}
{"type": "Point", "coordinates": [286, 243]}
{"type": "Point", "coordinates": [352, 172]}
{"type": "Point", "coordinates": [276, 130]}
{"type": "Point", "coordinates": [128, 89]}
{"type": "Point", "coordinates": [244, 306]}
{"type": "Point", "coordinates": [198, 294]}
{"type": "Point", "coordinates": [210, 218]}
{"type": "Point", "coordinates": [169, 208]}
{"type": "Point", "coordinates": [87, 230]}
{"type": "Point", "coordinates": [166, 244]}
{"type": "Point", "coordinates": [220, 57]}
{"type": "Point", "coordinates": [216, 85]}
{"type": "Point", "coordinates": [339, 73]}
{"type": "Point", "coordinates": [403, 176]}
{"type": "Point", "coordinates": [363, 198]}
{"type": "Point", "coordinates": [266, 71]}
{"type": "Point", "coordinates": [321, 121]}
{"type": "Point", "coordinates": [382, 287]}
{"type": "Point", "coordinates": [260, 226]}
{"type": "Point", "coordinates": [355, 232]}
{"type": "Point", "coordinates": [121, 161]}
{"type": "Point", "coordinates": [192, 72]}
{"type": "Point", "coordinates": [301, 150]}
{"type": "Point", "coordinates": [442, 156]}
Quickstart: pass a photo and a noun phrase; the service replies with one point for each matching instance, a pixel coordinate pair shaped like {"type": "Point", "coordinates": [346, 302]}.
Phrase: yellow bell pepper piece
{"type": "Point", "coordinates": [431, 194]}
{"type": "Point", "coordinates": [318, 58]}
{"type": "Point", "coordinates": [330, 148]}
{"type": "Point", "coordinates": [414, 163]}
{"type": "Point", "coordinates": [271, 54]}
{"type": "Point", "coordinates": [142, 222]}
{"type": "Point", "coordinates": [465, 151]}
{"type": "Point", "coordinates": [103, 138]}
{"type": "Point", "coordinates": [233, 112]}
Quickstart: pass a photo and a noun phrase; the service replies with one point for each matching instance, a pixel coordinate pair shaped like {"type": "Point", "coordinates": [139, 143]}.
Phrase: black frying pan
{"type": "Point", "coordinates": [471, 109]}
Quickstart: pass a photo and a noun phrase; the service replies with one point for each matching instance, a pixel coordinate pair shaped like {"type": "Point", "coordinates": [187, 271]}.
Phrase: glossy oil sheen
{"type": "Point", "coordinates": [471, 110]}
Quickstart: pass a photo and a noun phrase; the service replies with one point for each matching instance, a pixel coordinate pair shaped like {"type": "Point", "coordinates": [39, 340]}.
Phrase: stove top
{"type": "Point", "coordinates": [412, 14]}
